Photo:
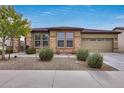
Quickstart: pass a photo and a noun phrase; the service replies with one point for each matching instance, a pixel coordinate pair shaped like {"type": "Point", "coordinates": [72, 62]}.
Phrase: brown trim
{"type": "Point", "coordinates": [57, 29]}
{"type": "Point", "coordinates": [65, 29]}
{"type": "Point", "coordinates": [40, 31]}
{"type": "Point", "coordinates": [101, 32]}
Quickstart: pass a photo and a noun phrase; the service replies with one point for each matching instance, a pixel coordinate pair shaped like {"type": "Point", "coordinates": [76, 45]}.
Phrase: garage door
{"type": "Point", "coordinates": [98, 44]}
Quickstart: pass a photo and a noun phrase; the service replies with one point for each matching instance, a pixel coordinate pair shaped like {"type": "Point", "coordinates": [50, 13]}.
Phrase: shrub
{"type": "Point", "coordinates": [46, 54]}
{"type": "Point", "coordinates": [9, 50]}
{"type": "Point", "coordinates": [0, 52]}
{"type": "Point", "coordinates": [30, 51]}
{"type": "Point", "coordinates": [95, 60]}
{"type": "Point", "coordinates": [82, 54]}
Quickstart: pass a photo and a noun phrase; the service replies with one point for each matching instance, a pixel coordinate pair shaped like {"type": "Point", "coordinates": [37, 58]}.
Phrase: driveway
{"type": "Point", "coordinates": [115, 60]}
{"type": "Point", "coordinates": [60, 79]}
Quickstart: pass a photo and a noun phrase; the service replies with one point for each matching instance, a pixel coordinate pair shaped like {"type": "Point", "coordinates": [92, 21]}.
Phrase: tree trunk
{"type": "Point", "coordinates": [3, 52]}
{"type": "Point", "coordinates": [12, 42]}
{"type": "Point", "coordinates": [11, 46]}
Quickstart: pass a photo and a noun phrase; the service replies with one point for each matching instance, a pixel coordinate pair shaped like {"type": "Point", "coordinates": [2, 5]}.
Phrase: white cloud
{"type": "Point", "coordinates": [119, 17]}
{"type": "Point", "coordinates": [63, 9]}
{"type": "Point", "coordinates": [48, 13]}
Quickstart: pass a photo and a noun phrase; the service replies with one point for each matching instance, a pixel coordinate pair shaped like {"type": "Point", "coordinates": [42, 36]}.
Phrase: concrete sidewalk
{"type": "Point", "coordinates": [60, 79]}
{"type": "Point", "coordinates": [36, 55]}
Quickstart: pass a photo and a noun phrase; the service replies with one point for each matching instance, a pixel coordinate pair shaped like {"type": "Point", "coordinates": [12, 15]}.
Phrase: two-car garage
{"type": "Point", "coordinates": [97, 44]}
{"type": "Point", "coordinates": [99, 40]}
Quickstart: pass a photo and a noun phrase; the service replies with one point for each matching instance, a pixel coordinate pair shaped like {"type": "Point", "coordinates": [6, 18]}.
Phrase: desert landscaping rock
{"type": "Point", "coordinates": [28, 63]}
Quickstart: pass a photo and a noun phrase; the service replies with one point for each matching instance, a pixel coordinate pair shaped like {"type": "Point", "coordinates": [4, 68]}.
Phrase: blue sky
{"type": "Point", "coordinates": [86, 16]}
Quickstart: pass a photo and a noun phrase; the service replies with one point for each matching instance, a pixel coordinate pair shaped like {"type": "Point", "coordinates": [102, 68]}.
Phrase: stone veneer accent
{"type": "Point", "coordinates": [77, 39]}
{"type": "Point", "coordinates": [52, 40]}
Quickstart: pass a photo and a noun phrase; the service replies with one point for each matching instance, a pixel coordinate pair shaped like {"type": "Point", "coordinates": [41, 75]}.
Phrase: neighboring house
{"type": "Point", "coordinates": [69, 39]}
{"type": "Point", "coordinates": [16, 42]}
{"type": "Point", "coordinates": [7, 43]}
{"type": "Point", "coordinates": [120, 38]}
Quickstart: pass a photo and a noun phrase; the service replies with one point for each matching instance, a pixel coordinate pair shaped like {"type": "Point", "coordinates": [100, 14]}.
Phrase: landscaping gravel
{"type": "Point", "coordinates": [33, 63]}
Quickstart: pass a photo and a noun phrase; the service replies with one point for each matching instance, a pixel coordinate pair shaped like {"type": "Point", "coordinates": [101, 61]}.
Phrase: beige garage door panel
{"type": "Point", "coordinates": [104, 45]}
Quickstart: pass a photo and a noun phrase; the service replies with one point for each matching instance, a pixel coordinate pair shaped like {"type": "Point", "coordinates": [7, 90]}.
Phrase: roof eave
{"type": "Point", "coordinates": [101, 32]}
{"type": "Point", "coordinates": [120, 28]}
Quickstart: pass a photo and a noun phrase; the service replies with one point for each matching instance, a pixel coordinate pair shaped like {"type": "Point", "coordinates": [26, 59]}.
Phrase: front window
{"type": "Point", "coordinates": [69, 39]}
{"type": "Point", "coordinates": [65, 39]}
{"type": "Point", "coordinates": [45, 40]}
{"type": "Point", "coordinates": [37, 40]}
{"type": "Point", "coordinates": [41, 40]}
{"type": "Point", "coordinates": [60, 39]}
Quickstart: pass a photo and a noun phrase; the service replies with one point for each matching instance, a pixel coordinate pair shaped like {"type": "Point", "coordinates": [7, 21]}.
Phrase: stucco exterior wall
{"type": "Point", "coordinates": [120, 40]}
{"type": "Point", "coordinates": [99, 35]}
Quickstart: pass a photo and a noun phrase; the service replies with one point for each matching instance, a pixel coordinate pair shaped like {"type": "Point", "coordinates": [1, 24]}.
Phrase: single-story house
{"type": "Point", "coordinates": [69, 39]}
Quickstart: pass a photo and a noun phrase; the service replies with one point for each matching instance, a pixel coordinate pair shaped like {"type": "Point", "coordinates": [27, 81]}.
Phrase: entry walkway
{"type": "Point", "coordinates": [60, 79]}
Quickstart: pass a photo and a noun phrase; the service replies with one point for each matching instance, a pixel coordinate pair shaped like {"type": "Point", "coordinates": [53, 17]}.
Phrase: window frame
{"type": "Point", "coordinates": [60, 39]}
{"type": "Point", "coordinates": [69, 39]}
{"type": "Point", "coordinates": [65, 39]}
{"type": "Point", "coordinates": [45, 40]}
{"type": "Point", "coordinates": [41, 40]}
{"type": "Point", "coordinates": [37, 40]}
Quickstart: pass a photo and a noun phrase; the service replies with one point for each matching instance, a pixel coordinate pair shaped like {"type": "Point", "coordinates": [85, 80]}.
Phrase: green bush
{"type": "Point", "coordinates": [9, 50]}
{"type": "Point", "coordinates": [30, 51]}
{"type": "Point", "coordinates": [95, 60]}
{"type": "Point", "coordinates": [46, 54]}
{"type": "Point", "coordinates": [82, 54]}
{"type": "Point", "coordinates": [0, 52]}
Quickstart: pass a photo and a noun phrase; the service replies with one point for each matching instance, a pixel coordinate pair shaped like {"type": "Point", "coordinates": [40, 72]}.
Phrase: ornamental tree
{"type": "Point", "coordinates": [12, 25]}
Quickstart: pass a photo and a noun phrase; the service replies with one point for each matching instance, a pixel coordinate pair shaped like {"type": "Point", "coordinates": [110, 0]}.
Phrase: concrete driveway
{"type": "Point", "coordinates": [115, 60]}
{"type": "Point", "coordinates": [60, 79]}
